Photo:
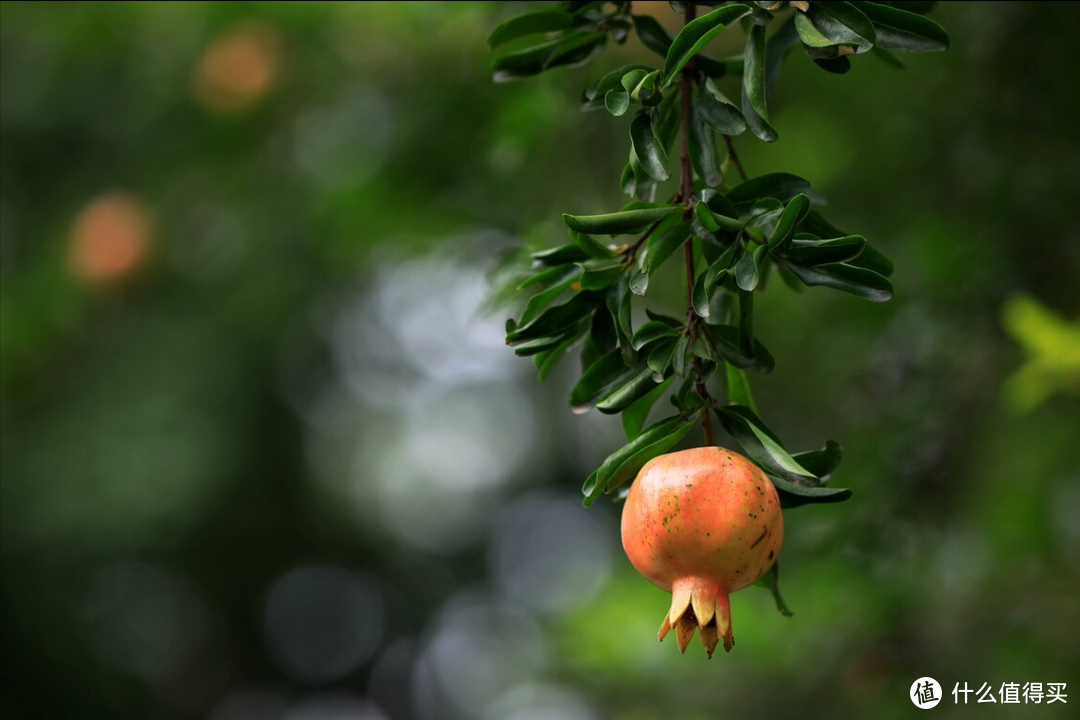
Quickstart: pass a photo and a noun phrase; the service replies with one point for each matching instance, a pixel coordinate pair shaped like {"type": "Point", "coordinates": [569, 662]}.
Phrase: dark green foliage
{"type": "Point", "coordinates": [738, 231]}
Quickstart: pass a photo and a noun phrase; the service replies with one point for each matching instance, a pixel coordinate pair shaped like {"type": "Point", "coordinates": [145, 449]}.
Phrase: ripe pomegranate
{"type": "Point", "coordinates": [702, 523]}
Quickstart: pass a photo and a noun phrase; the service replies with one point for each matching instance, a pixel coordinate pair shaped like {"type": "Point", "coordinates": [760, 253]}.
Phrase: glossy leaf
{"type": "Point", "coordinates": [533, 23]}
{"type": "Point", "coordinates": [763, 448]}
{"type": "Point", "coordinates": [572, 50]}
{"type": "Point", "coordinates": [569, 253]}
{"type": "Point", "coordinates": [618, 304]}
{"type": "Point", "coordinates": [547, 360]}
{"type": "Point", "coordinates": [619, 223]}
{"type": "Point", "coordinates": [824, 461]}
{"type": "Point", "coordinates": [622, 465]}
{"type": "Point", "coordinates": [779, 43]}
{"type": "Point", "coordinates": [599, 275]}
{"type": "Point", "coordinates": [851, 279]}
{"type": "Point", "coordinates": [872, 259]}
{"type": "Point", "coordinates": [746, 271]}
{"type": "Point", "coordinates": [726, 340]}
{"type": "Point", "coordinates": [652, 34]}
{"type": "Point", "coordinates": [794, 495]}
{"type": "Point", "coordinates": [652, 331]}
{"type": "Point", "coordinates": [723, 117]}
{"type": "Point", "coordinates": [633, 417]}
{"type": "Point", "coordinates": [842, 23]}
{"type": "Point", "coordinates": [660, 246]}
{"type": "Point", "coordinates": [554, 320]}
{"type": "Point", "coordinates": [754, 104]}
{"type": "Point", "coordinates": [835, 65]}
{"type": "Point", "coordinates": [617, 101]}
{"type": "Point", "coordinates": [541, 300]}
{"type": "Point", "coordinates": [703, 155]}
{"type": "Point", "coordinates": [607, 378]}
{"type": "Point", "coordinates": [738, 387]}
{"type": "Point", "coordinates": [696, 34]}
{"type": "Point", "coordinates": [591, 246]}
{"type": "Point", "coordinates": [905, 32]}
{"type": "Point", "coordinates": [650, 152]}
{"type": "Point", "coordinates": [809, 253]}
{"type": "Point", "coordinates": [794, 213]}
{"type": "Point", "coordinates": [611, 81]}
{"type": "Point", "coordinates": [782, 186]}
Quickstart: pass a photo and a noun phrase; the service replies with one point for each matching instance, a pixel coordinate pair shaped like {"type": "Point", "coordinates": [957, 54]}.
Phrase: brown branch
{"type": "Point", "coordinates": [686, 195]}
{"type": "Point", "coordinates": [735, 157]}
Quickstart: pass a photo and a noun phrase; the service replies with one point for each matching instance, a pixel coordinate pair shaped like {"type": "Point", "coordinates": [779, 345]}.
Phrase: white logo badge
{"type": "Point", "coordinates": [925, 693]}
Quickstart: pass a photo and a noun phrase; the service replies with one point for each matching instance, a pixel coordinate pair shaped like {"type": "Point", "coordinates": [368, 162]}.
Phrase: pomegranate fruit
{"type": "Point", "coordinates": [702, 523]}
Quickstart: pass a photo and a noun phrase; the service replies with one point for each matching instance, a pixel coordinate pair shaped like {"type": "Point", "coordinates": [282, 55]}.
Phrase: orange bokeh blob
{"type": "Point", "coordinates": [238, 69]}
{"type": "Point", "coordinates": [110, 238]}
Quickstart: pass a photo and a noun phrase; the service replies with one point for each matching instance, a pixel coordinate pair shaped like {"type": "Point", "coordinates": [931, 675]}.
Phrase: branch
{"type": "Point", "coordinates": [686, 194]}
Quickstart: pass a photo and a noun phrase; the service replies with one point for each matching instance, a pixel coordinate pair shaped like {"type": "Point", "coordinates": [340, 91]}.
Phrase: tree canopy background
{"type": "Point", "coordinates": [265, 455]}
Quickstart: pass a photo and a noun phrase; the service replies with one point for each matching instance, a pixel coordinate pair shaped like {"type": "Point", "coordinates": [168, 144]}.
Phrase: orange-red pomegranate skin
{"type": "Point", "coordinates": [702, 523]}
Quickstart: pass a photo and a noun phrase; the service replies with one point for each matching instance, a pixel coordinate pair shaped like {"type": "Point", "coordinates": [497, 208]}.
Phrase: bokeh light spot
{"type": "Point", "coordinates": [322, 622]}
{"type": "Point", "coordinates": [238, 69]}
{"type": "Point", "coordinates": [110, 238]}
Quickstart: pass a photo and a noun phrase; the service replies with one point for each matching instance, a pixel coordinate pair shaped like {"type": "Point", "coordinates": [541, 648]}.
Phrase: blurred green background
{"type": "Point", "coordinates": [264, 454]}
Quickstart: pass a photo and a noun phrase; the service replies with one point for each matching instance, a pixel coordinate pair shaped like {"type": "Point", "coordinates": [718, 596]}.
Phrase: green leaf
{"type": "Point", "coordinates": [702, 292]}
{"type": "Point", "coordinates": [779, 43]}
{"type": "Point", "coordinates": [660, 246]}
{"type": "Point", "coordinates": [872, 259]}
{"type": "Point", "coordinates": [622, 465]}
{"type": "Point", "coordinates": [822, 462]}
{"type": "Point", "coordinates": [809, 253]}
{"type": "Point", "coordinates": [782, 186]}
{"type": "Point", "coordinates": [703, 155]}
{"type": "Point", "coordinates": [574, 49]}
{"type": "Point", "coordinates": [611, 81]}
{"type": "Point", "coordinates": [715, 222]}
{"type": "Point", "coordinates": [617, 101]}
{"type": "Point", "coordinates": [794, 495]}
{"type": "Point", "coordinates": [771, 582]}
{"type": "Point", "coordinates": [723, 117]}
{"type": "Point", "coordinates": [661, 358]}
{"type": "Point", "coordinates": [754, 104]}
{"type": "Point", "coordinates": [600, 340]}
{"type": "Point", "coordinates": [544, 21]}
{"type": "Point", "coordinates": [696, 34]}
{"type": "Point", "coordinates": [835, 65]}
{"type": "Point", "coordinates": [652, 34]}
{"type": "Point", "coordinates": [618, 304]}
{"type": "Point", "coordinates": [842, 23]}
{"type": "Point", "coordinates": [746, 270]}
{"type": "Point", "coordinates": [561, 255]}
{"type": "Point", "coordinates": [762, 448]}
{"type": "Point", "coordinates": [795, 212]}
{"type": "Point", "coordinates": [619, 223]}
{"type": "Point", "coordinates": [610, 385]}
{"type": "Point", "coordinates": [646, 91]}
{"type": "Point", "coordinates": [591, 246]}
{"type": "Point", "coordinates": [542, 299]}
{"type": "Point", "coordinates": [547, 360]}
{"type": "Point", "coordinates": [633, 417]}
{"type": "Point", "coordinates": [650, 152]}
{"type": "Point", "coordinates": [650, 332]}
{"type": "Point", "coordinates": [857, 281]}
{"type": "Point", "coordinates": [738, 387]}
{"type": "Point", "coordinates": [726, 340]}
{"type": "Point", "coordinates": [599, 275]}
{"type": "Point", "coordinates": [764, 213]}
{"type": "Point", "coordinates": [905, 32]}
{"type": "Point", "coordinates": [555, 320]}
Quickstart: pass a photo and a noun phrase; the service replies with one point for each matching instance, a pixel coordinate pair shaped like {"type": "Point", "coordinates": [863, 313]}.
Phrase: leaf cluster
{"type": "Point", "coordinates": [734, 236]}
